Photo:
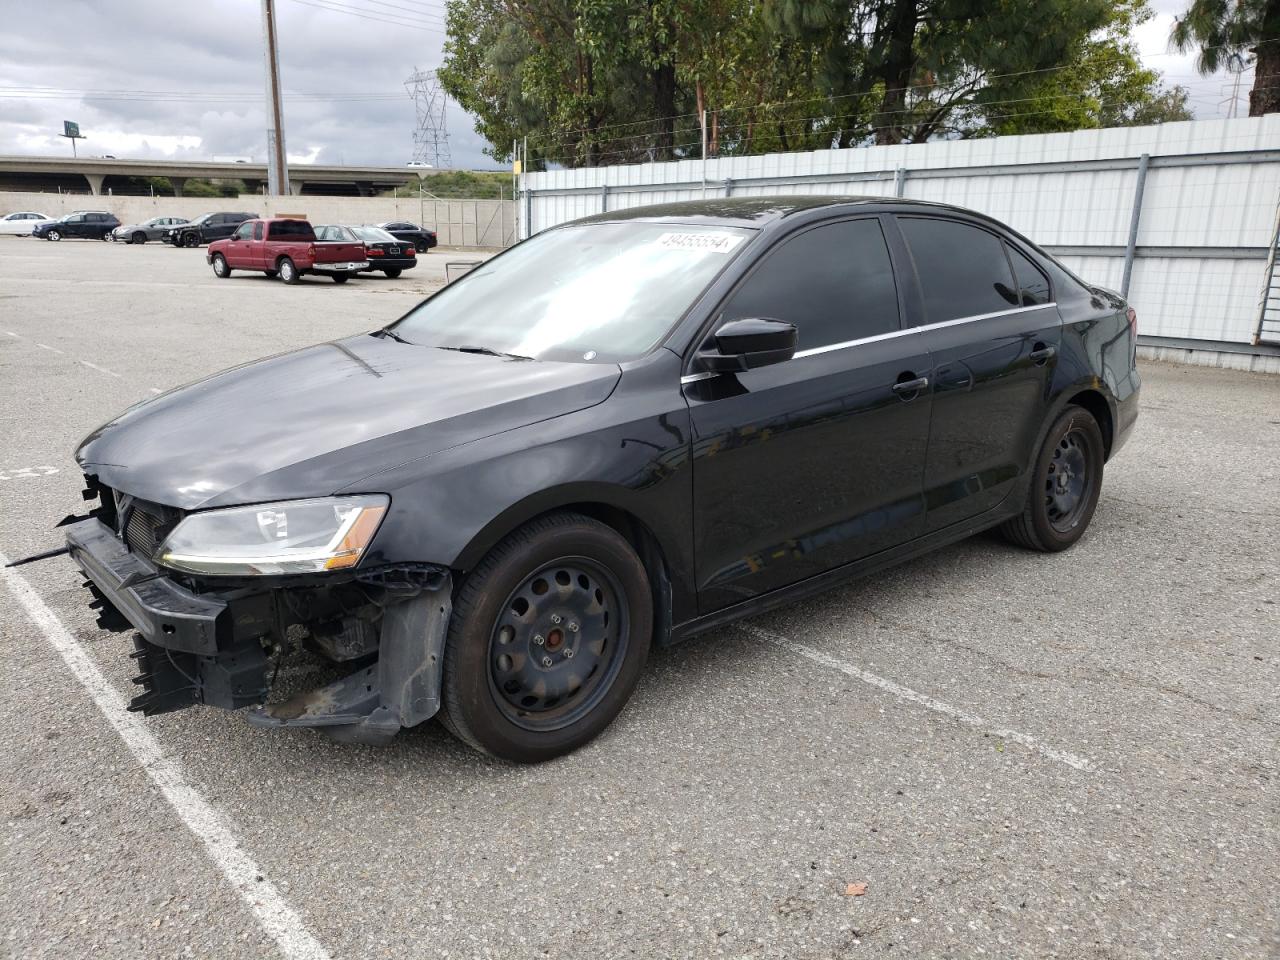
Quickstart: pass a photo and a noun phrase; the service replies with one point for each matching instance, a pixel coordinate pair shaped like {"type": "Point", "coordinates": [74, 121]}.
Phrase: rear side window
{"type": "Point", "coordinates": [1032, 282]}
{"type": "Point", "coordinates": [963, 271]}
{"type": "Point", "coordinates": [834, 282]}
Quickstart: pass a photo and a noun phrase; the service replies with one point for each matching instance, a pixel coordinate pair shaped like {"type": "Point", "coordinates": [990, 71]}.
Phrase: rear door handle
{"type": "Point", "coordinates": [1042, 353]}
{"type": "Point", "coordinates": [904, 387]}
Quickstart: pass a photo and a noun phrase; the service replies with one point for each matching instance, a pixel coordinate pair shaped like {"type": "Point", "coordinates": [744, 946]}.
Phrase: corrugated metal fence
{"type": "Point", "coordinates": [1180, 213]}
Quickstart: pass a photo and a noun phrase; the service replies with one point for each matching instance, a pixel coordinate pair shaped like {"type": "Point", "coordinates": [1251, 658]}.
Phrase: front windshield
{"type": "Point", "coordinates": [599, 291]}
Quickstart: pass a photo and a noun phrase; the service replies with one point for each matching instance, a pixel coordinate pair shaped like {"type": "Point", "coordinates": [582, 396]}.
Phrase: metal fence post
{"type": "Point", "coordinates": [528, 213]}
{"type": "Point", "coordinates": [604, 198]}
{"type": "Point", "coordinates": [728, 187]}
{"type": "Point", "coordinates": [1134, 217]}
{"type": "Point", "coordinates": [899, 181]}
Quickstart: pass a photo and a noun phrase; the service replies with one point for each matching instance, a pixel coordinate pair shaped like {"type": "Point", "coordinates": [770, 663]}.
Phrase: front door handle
{"type": "Point", "coordinates": [908, 388]}
{"type": "Point", "coordinates": [1041, 354]}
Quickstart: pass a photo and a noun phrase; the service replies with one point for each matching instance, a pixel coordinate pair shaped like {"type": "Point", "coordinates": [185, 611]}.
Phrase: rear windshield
{"type": "Point", "coordinates": [373, 234]}
{"type": "Point", "coordinates": [292, 228]}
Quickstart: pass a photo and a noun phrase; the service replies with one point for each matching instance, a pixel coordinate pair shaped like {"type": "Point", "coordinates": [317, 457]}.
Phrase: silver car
{"type": "Point", "coordinates": [153, 229]}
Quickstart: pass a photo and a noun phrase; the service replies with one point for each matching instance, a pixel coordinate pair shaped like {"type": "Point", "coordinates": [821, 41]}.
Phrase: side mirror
{"type": "Point", "coordinates": [747, 344]}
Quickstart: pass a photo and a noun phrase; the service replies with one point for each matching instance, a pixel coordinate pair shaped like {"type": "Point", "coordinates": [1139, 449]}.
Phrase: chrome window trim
{"type": "Point", "coordinates": [814, 351]}
{"type": "Point", "coordinates": [846, 344]}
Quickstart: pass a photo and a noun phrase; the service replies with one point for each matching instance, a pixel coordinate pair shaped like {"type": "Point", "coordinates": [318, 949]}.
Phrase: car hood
{"type": "Point", "coordinates": [322, 419]}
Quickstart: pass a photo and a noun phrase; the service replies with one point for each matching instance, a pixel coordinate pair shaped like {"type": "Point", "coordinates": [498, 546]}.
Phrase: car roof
{"type": "Point", "coordinates": [752, 211]}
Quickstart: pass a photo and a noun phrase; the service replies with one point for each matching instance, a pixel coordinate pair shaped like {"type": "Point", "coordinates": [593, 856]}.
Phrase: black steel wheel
{"type": "Point", "coordinates": [1065, 485]}
{"type": "Point", "coordinates": [547, 639]}
{"type": "Point", "coordinates": [560, 637]}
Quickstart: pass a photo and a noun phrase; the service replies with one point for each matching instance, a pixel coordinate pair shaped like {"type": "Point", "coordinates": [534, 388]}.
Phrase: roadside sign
{"type": "Point", "coordinates": [70, 129]}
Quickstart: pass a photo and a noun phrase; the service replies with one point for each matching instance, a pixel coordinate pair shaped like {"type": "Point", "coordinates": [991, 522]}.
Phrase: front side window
{"type": "Point", "coordinates": [962, 269]}
{"type": "Point", "coordinates": [243, 233]}
{"type": "Point", "coordinates": [602, 292]}
{"type": "Point", "coordinates": [834, 282]}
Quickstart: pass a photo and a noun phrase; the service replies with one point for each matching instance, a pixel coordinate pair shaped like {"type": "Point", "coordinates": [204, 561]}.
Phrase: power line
{"type": "Point", "coordinates": [372, 16]}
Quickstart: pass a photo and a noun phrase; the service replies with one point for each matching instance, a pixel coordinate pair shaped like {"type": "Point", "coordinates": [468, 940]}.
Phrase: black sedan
{"type": "Point", "coordinates": [624, 431]}
{"type": "Point", "coordinates": [384, 252]}
{"type": "Point", "coordinates": [421, 238]}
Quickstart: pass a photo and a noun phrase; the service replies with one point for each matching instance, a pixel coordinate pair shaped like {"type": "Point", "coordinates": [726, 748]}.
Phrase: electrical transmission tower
{"type": "Point", "coordinates": [430, 135]}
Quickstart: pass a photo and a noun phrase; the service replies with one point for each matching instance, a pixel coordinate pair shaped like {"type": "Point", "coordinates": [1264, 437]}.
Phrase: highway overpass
{"type": "Point", "coordinates": [103, 176]}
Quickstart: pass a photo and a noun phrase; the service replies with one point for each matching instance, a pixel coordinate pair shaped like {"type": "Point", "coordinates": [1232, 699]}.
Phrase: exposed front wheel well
{"type": "Point", "coordinates": [637, 534]}
{"type": "Point", "coordinates": [1096, 404]}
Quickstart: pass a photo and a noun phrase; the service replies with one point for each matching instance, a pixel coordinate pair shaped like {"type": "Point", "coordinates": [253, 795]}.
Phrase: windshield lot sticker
{"type": "Point", "coordinates": [706, 242]}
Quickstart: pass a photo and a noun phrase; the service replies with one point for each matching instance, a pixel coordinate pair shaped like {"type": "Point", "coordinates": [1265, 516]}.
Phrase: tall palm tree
{"type": "Point", "coordinates": [1228, 32]}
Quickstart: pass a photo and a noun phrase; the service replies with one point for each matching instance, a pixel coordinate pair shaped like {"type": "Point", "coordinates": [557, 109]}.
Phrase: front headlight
{"type": "Point", "coordinates": [292, 536]}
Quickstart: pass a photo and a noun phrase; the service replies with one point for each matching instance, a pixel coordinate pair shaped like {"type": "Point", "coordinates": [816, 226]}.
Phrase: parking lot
{"type": "Point", "coordinates": [1018, 755]}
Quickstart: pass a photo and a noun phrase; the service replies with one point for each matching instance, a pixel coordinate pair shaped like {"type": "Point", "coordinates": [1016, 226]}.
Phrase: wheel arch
{"type": "Point", "coordinates": [1097, 404]}
{"type": "Point", "coordinates": [599, 505]}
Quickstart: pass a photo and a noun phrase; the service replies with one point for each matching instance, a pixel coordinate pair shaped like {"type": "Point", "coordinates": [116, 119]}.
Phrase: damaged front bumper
{"type": "Point", "coordinates": [213, 647]}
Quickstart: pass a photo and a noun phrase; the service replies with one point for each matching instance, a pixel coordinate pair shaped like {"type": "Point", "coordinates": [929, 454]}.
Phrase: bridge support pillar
{"type": "Point", "coordinates": [95, 182]}
{"type": "Point", "coordinates": [178, 184]}
{"type": "Point", "coordinates": [364, 188]}
{"type": "Point", "coordinates": [295, 188]}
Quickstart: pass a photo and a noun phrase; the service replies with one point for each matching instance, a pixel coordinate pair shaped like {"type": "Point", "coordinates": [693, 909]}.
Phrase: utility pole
{"type": "Point", "coordinates": [277, 166]}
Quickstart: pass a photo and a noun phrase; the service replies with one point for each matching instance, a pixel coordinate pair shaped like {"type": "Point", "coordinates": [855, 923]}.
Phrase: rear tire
{"type": "Point", "coordinates": [562, 586]}
{"type": "Point", "coordinates": [392, 272]}
{"type": "Point", "coordinates": [1065, 484]}
{"type": "Point", "coordinates": [53, 235]}
{"type": "Point", "coordinates": [220, 268]}
{"type": "Point", "coordinates": [341, 277]}
{"type": "Point", "coordinates": [288, 270]}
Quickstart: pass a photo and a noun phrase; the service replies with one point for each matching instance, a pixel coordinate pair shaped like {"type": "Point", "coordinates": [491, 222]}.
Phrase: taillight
{"type": "Point", "coordinates": [375, 252]}
{"type": "Point", "coordinates": [1132, 314]}
{"type": "Point", "coordinates": [410, 252]}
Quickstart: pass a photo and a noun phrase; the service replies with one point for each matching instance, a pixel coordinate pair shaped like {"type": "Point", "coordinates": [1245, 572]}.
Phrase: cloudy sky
{"type": "Point", "coordinates": [179, 78]}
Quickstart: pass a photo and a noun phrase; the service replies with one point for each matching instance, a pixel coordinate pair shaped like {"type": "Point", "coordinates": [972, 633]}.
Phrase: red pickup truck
{"type": "Point", "coordinates": [285, 248]}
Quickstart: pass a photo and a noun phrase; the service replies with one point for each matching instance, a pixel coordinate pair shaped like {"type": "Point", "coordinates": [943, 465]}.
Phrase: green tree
{"type": "Point", "coordinates": [1103, 84]}
{"type": "Point", "coordinates": [1230, 33]}
{"type": "Point", "coordinates": [610, 81]}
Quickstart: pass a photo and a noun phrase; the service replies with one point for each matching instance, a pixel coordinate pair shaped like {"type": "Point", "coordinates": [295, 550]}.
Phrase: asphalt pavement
{"type": "Point", "coordinates": [985, 752]}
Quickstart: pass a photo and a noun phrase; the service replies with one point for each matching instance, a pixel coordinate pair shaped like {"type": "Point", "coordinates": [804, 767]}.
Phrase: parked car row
{"type": "Point", "coordinates": [204, 229]}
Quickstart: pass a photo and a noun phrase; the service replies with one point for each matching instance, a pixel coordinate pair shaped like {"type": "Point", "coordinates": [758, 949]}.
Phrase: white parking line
{"type": "Point", "coordinates": [94, 366]}
{"type": "Point", "coordinates": [45, 346]}
{"type": "Point", "coordinates": [259, 894]}
{"type": "Point", "coordinates": [912, 696]}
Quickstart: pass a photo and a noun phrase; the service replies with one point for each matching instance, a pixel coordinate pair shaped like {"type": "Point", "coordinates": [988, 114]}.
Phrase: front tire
{"type": "Point", "coordinates": [288, 270]}
{"type": "Point", "coordinates": [139, 237]}
{"type": "Point", "coordinates": [1065, 485]}
{"type": "Point", "coordinates": [220, 268]}
{"type": "Point", "coordinates": [547, 640]}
